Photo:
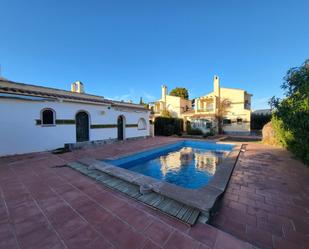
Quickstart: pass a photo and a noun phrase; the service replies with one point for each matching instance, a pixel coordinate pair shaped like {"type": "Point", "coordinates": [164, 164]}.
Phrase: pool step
{"type": "Point", "coordinates": [173, 208]}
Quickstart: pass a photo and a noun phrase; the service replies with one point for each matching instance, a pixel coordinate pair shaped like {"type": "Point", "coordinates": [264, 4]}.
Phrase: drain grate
{"type": "Point", "coordinates": [173, 208]}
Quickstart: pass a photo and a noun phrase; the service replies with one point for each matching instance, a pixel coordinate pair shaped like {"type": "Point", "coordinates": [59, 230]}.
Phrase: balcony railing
{"type": "Point", "coordinates": [207, 109]}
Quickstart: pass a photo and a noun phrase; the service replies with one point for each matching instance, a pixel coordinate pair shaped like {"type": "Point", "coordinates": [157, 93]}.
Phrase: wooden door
{"type": "Point", "coordinates": [120, 127]}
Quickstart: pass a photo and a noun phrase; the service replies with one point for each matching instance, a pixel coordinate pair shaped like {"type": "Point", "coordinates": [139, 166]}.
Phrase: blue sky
{"type": "Point", "coordinates": [128, 49]}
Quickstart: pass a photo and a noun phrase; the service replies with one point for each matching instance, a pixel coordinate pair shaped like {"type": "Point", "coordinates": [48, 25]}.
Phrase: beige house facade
{"type": "Point", "coordinates": [176, 106]}
{"type": "Point", "coordinates": [203, 112]}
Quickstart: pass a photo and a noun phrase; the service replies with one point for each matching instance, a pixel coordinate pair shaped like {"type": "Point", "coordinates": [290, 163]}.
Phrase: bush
{"type": "Point", "coordinates": [291, 117]}
{"type": "Point", "coordinates": [166, 114]}
{"type": "Point", "coordinates": [210, 133]}
{"type": "Point", "coordinates": [259, 120]}
{"type": "Point", "coordinates": [283, 137]}
{"type": "Point", "coordinates": [165, 126]}
{"type": "Point", "coordinates": [193, 131]}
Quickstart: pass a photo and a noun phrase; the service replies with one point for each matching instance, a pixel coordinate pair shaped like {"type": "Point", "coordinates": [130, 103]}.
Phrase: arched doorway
{"type": "Point", "coordinates": [120, 127]}
{"type": "Point", "coordinates": [82, 126]}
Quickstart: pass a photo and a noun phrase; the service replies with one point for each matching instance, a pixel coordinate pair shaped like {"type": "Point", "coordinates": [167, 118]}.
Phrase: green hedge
{"type": "Point", "coordinates": [164, 126]}
{"type": "Point", "coordinates": [259, 120]}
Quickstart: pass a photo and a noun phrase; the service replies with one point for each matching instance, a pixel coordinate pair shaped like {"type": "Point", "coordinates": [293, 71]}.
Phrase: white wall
{"type": "Point", "coordinates": [234, 128]}
{"type": "Point", "coordinates": [20, 134]}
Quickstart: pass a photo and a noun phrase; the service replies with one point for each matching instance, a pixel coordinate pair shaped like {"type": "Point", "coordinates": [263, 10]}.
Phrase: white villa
{"type": "Point", "coordinates": [36, 118]}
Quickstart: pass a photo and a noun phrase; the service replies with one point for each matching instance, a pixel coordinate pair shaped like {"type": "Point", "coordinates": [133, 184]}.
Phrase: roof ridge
{"type": "Point", "coordinates": [29, 89]}
{"type": "Point", "coordinates": [45, 87]}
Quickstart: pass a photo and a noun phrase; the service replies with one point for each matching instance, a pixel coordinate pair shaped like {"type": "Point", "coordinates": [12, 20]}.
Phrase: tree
{"type": "Point", "coordinates": [141, 102]}
{"type": "Point", "coordinates": [180, 92]}
{"type": "Point", "coordinates": [223, 109]}
{"type": "Point", "coordinates": [291, 115]}
{"type": "Point", "coordinates": [166, 114]}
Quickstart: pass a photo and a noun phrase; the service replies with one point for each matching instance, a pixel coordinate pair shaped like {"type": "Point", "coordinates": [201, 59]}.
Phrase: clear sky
{"type": "Point", "coordinates": [127, 49]}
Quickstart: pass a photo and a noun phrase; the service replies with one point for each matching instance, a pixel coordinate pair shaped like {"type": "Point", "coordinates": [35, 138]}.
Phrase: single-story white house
{"type": "Point", "coordinates": [36, 118]}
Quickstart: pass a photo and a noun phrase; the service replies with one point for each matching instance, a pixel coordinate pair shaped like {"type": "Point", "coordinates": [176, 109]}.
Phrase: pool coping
{"type": "Point", "coordinates": [203, 198]}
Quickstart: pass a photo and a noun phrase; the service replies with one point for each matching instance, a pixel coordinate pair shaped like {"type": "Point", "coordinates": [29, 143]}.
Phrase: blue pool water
{"type": "Point", "coordinates": [190, 164]}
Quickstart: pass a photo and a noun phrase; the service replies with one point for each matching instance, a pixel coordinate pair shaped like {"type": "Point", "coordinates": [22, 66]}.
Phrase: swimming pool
{"type": "Point", "coordinates": [189, 164]}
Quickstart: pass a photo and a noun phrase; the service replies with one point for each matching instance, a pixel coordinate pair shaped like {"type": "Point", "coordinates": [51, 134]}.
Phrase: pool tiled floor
{"type": "Point", "coordinates": [45, 206]}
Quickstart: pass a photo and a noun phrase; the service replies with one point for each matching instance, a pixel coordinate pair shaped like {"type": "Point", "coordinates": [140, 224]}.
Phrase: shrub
{"type": "Point", "coordinates": [165, 126]}
{"type": "Point", "coordinates": [193, 131]}
{"type": "Point", "coordinates": [166, 114]}
{"type": "Point", "coordinates": [210, 133]}
{"type": "Point", "coordinates": [283, 137]}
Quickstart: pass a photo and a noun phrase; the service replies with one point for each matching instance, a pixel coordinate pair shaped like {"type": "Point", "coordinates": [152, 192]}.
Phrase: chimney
{"type": "Point", "coordinates": [216, 86]}
{"type": "Point", "coordinates": [164, 93]}
{"type": "Point", "coordinates": [77, 87]}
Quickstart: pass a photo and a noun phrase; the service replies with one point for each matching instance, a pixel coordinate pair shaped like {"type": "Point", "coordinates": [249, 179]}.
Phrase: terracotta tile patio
{"type": "Point", "coordinates": [267, 200]}
{"type": "Point", "coordinates": [44, 205]}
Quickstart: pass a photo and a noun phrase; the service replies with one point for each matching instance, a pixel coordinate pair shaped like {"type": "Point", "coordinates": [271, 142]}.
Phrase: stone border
{"type": "Point", "coordinates": [203, 198]}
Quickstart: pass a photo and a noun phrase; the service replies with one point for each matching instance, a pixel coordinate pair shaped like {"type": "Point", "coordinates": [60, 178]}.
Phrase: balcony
{"type": "Point", "coordinates": [209, 109]}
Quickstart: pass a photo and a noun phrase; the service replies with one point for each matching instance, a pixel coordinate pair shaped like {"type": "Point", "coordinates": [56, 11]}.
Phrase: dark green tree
{"type": "Point", "coordinates": [180, 92]}
{"type": "Point", "coordinates": [291, 114]}
{"type": "Point", "coordinates": [141, 102]}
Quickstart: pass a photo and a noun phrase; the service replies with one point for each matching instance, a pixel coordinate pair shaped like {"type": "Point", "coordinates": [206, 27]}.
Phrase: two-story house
{"type": "Point", "coordinates": [176, 106]}
{"type": "Point", "coordinates": [232, 105]}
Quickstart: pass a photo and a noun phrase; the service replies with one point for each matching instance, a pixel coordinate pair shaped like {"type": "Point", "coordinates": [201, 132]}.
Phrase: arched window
{"type": "Point", "coordinates": [142, 125]}
{"type": "Point", "coordinates": [48, 117]}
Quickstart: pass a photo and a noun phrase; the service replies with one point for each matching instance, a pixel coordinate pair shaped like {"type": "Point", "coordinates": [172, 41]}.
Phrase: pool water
{"type": "Point", "coordinates": [188, 164]}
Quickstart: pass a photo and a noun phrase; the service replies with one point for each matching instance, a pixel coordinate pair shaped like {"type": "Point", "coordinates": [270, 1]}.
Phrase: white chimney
{"type": "Point", "coordinates": [217, 86]}
{"type": "Point", "coordinates": [77, 87]}
{"type": "Point", "coordinates": [164, 93]}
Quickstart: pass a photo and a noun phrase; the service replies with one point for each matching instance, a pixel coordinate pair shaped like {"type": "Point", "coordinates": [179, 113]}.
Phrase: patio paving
{"type": "Point", "coordinates": [267, 200]}
{"type": "Point", "coordinates": [45, 205]}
